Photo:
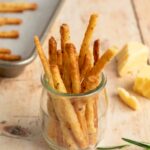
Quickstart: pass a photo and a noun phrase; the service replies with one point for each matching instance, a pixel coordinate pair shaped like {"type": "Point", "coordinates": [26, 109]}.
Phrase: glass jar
{"type": "Point", "coordinates": [73, 121]}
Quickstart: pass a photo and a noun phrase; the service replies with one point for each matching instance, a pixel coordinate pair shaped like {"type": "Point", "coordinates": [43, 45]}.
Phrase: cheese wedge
{"type": "Point", "coordinates": [142, 82]}
{"type": "Point", "coordinates": [128, 99]}
{"type": "Point", "coordinates": [132, 58]}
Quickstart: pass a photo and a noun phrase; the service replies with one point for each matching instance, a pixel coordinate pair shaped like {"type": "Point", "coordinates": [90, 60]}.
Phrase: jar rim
{"type": "Point", "coordinates": [101, 85]}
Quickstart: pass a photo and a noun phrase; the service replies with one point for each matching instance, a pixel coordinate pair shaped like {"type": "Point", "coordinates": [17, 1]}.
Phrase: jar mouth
{"type": "Point", "coordinates": [51, 90]}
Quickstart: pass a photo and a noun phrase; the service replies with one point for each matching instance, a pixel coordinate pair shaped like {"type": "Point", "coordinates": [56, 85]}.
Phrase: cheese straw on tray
{"type": "Point", "coordinates": [5, 51]}
{"type": "Point", "coordinates": [9, 34]}
{"type": "Point", "coordinates": [9, 57]}
{"type": "Point", "coordinates": [13, 7]}
{"type": "Point", "coordinates": [10, 21]}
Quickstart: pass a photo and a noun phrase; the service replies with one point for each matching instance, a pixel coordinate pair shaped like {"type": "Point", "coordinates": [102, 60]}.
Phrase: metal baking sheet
{"type": "Point", "coordinates": [34, 23]}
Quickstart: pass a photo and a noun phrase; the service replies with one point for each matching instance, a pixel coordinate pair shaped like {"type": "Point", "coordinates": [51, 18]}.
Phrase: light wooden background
{"type": "Point", "coordinates": [120, 21]}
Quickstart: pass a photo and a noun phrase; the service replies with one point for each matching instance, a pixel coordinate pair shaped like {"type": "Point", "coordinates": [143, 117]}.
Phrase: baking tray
{"type": "Point", "coordinates": [36, 22]}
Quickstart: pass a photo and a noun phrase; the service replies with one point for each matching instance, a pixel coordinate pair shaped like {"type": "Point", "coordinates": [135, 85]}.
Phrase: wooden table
{"type": "Point", "coordinates": [120, 22]}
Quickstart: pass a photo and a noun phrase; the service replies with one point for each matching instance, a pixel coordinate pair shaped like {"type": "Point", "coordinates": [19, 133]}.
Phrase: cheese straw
{"type": "Point", "coordinates": [10, 21]}
{"type": "Point", "coordinates": [16, 7]}
{"type": "Point", "coordinates": [9, 57]}
{"type": "Point", "coordinates": [9, 34]}
{"type": "Point", "coordinates": [5, 51]}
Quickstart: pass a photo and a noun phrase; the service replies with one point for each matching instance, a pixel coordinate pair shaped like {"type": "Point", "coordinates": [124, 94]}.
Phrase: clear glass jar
{"type": "Point", "coordinates": [73, 121]}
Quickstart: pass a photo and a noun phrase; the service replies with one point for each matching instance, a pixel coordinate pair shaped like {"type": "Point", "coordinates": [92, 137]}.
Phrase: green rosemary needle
{"type": "Point", "coordinates": [140, 144]}
{"type": "Point", "coordinates": [112, 147]}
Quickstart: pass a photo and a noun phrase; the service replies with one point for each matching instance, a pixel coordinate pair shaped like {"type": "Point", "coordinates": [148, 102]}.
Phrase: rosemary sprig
{"type": "Point", "coordinates": [112, 147]}
{"type": "Point", "coordinates": [140, 144]}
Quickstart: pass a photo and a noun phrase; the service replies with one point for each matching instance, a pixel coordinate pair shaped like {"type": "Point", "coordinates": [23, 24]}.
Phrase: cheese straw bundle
{"type": "Point", "coordinates": [74, 121]}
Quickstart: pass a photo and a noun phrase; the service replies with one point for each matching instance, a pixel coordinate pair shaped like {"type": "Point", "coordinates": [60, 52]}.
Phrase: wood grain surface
{"type": "Point", "coordinates": [142, 9]}
{"type": "Point", "coordinates": [119, 22]}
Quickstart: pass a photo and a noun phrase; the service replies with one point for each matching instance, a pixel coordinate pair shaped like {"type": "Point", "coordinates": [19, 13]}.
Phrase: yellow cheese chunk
{"type": "Point", "coordinates": [131, 48]}
{"type": "Point", "coordinates": [128, 99]}
{"type": "Point", "coordinates": [142, 82]}
{"type": "Point", "coordinates": [132, 65]}
{"type": "Point", "coordinates": [132, 58]}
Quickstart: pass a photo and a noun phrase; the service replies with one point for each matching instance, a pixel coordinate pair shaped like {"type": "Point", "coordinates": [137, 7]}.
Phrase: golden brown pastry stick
{"type": "Point", "coordinates": [10, 21]}
{"type": "Point", "coordinates": [28, 6]}
{"type": "Point", "coordinates": [53, 122]}
{"type": "Point", "coordinates": [87, 65]}
{"type": "Point", "coordinates": [91, 108]}
{"type": "Point", "coordinates": [65, 111]}
{"type": "Point", "coordinates": [65, 38]}
{"type": "Point", "coordinates": [52, 51]}
{"type": "Point", "coordinates": [16, 7]}
{"type": "Point", "coordinates": [74, 68]}
{"type": "Point", "coordinates": [50, 105]}
{"type": "Point", "coordinates": [95, 107]}
{"type": "Point", "coordinates": [96, 50]}
{"type": "Point", "coordinates": [51, 129]}
{"type": "Point", "coordinates": [44, 61]}
{"type": "Point", "coordinates": [54, 127]}
{"type": "Point", "coordinates": [76, 86]}
{"type": "Point", "coordinates": [59, 60]}
{"type": "Point", "coordinates": [6, 9]}
{"type": "Point", "coordinates": [5, 51]}
{"type": "Point", "coordinates": [66, 74]}
{"type": "Point", "coordinates": [91, 82]}
{"type": "Point", "coordinates": [90, 111]}
{"type": "Point", "coordinates": [54, 131]}
{"type": "Point", "coordinates": [80, 107]}
{"type": "Point", "coordinates": [87, 38]}
{"type": "Point", "coordinates": [102, 62]}
{"type": "Point", "coordinates": [92, 117]}
{"type": "Point", "coordinates": [9, 57]}
{"type": "Point", "coordinates": [93, 137]}
{"type": "Point", "coordinates": [97, 69]}
{"type": "Point", "coordinates": [58, 84]}
{"type": "Point", "coordinates": [9, 34]}
{"type": "Point", "coordinates": [59, 57]}
{"type": "Point", "coordinates": [69, 142]}
{"type": "Point", "coordinates": [66, 114]}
